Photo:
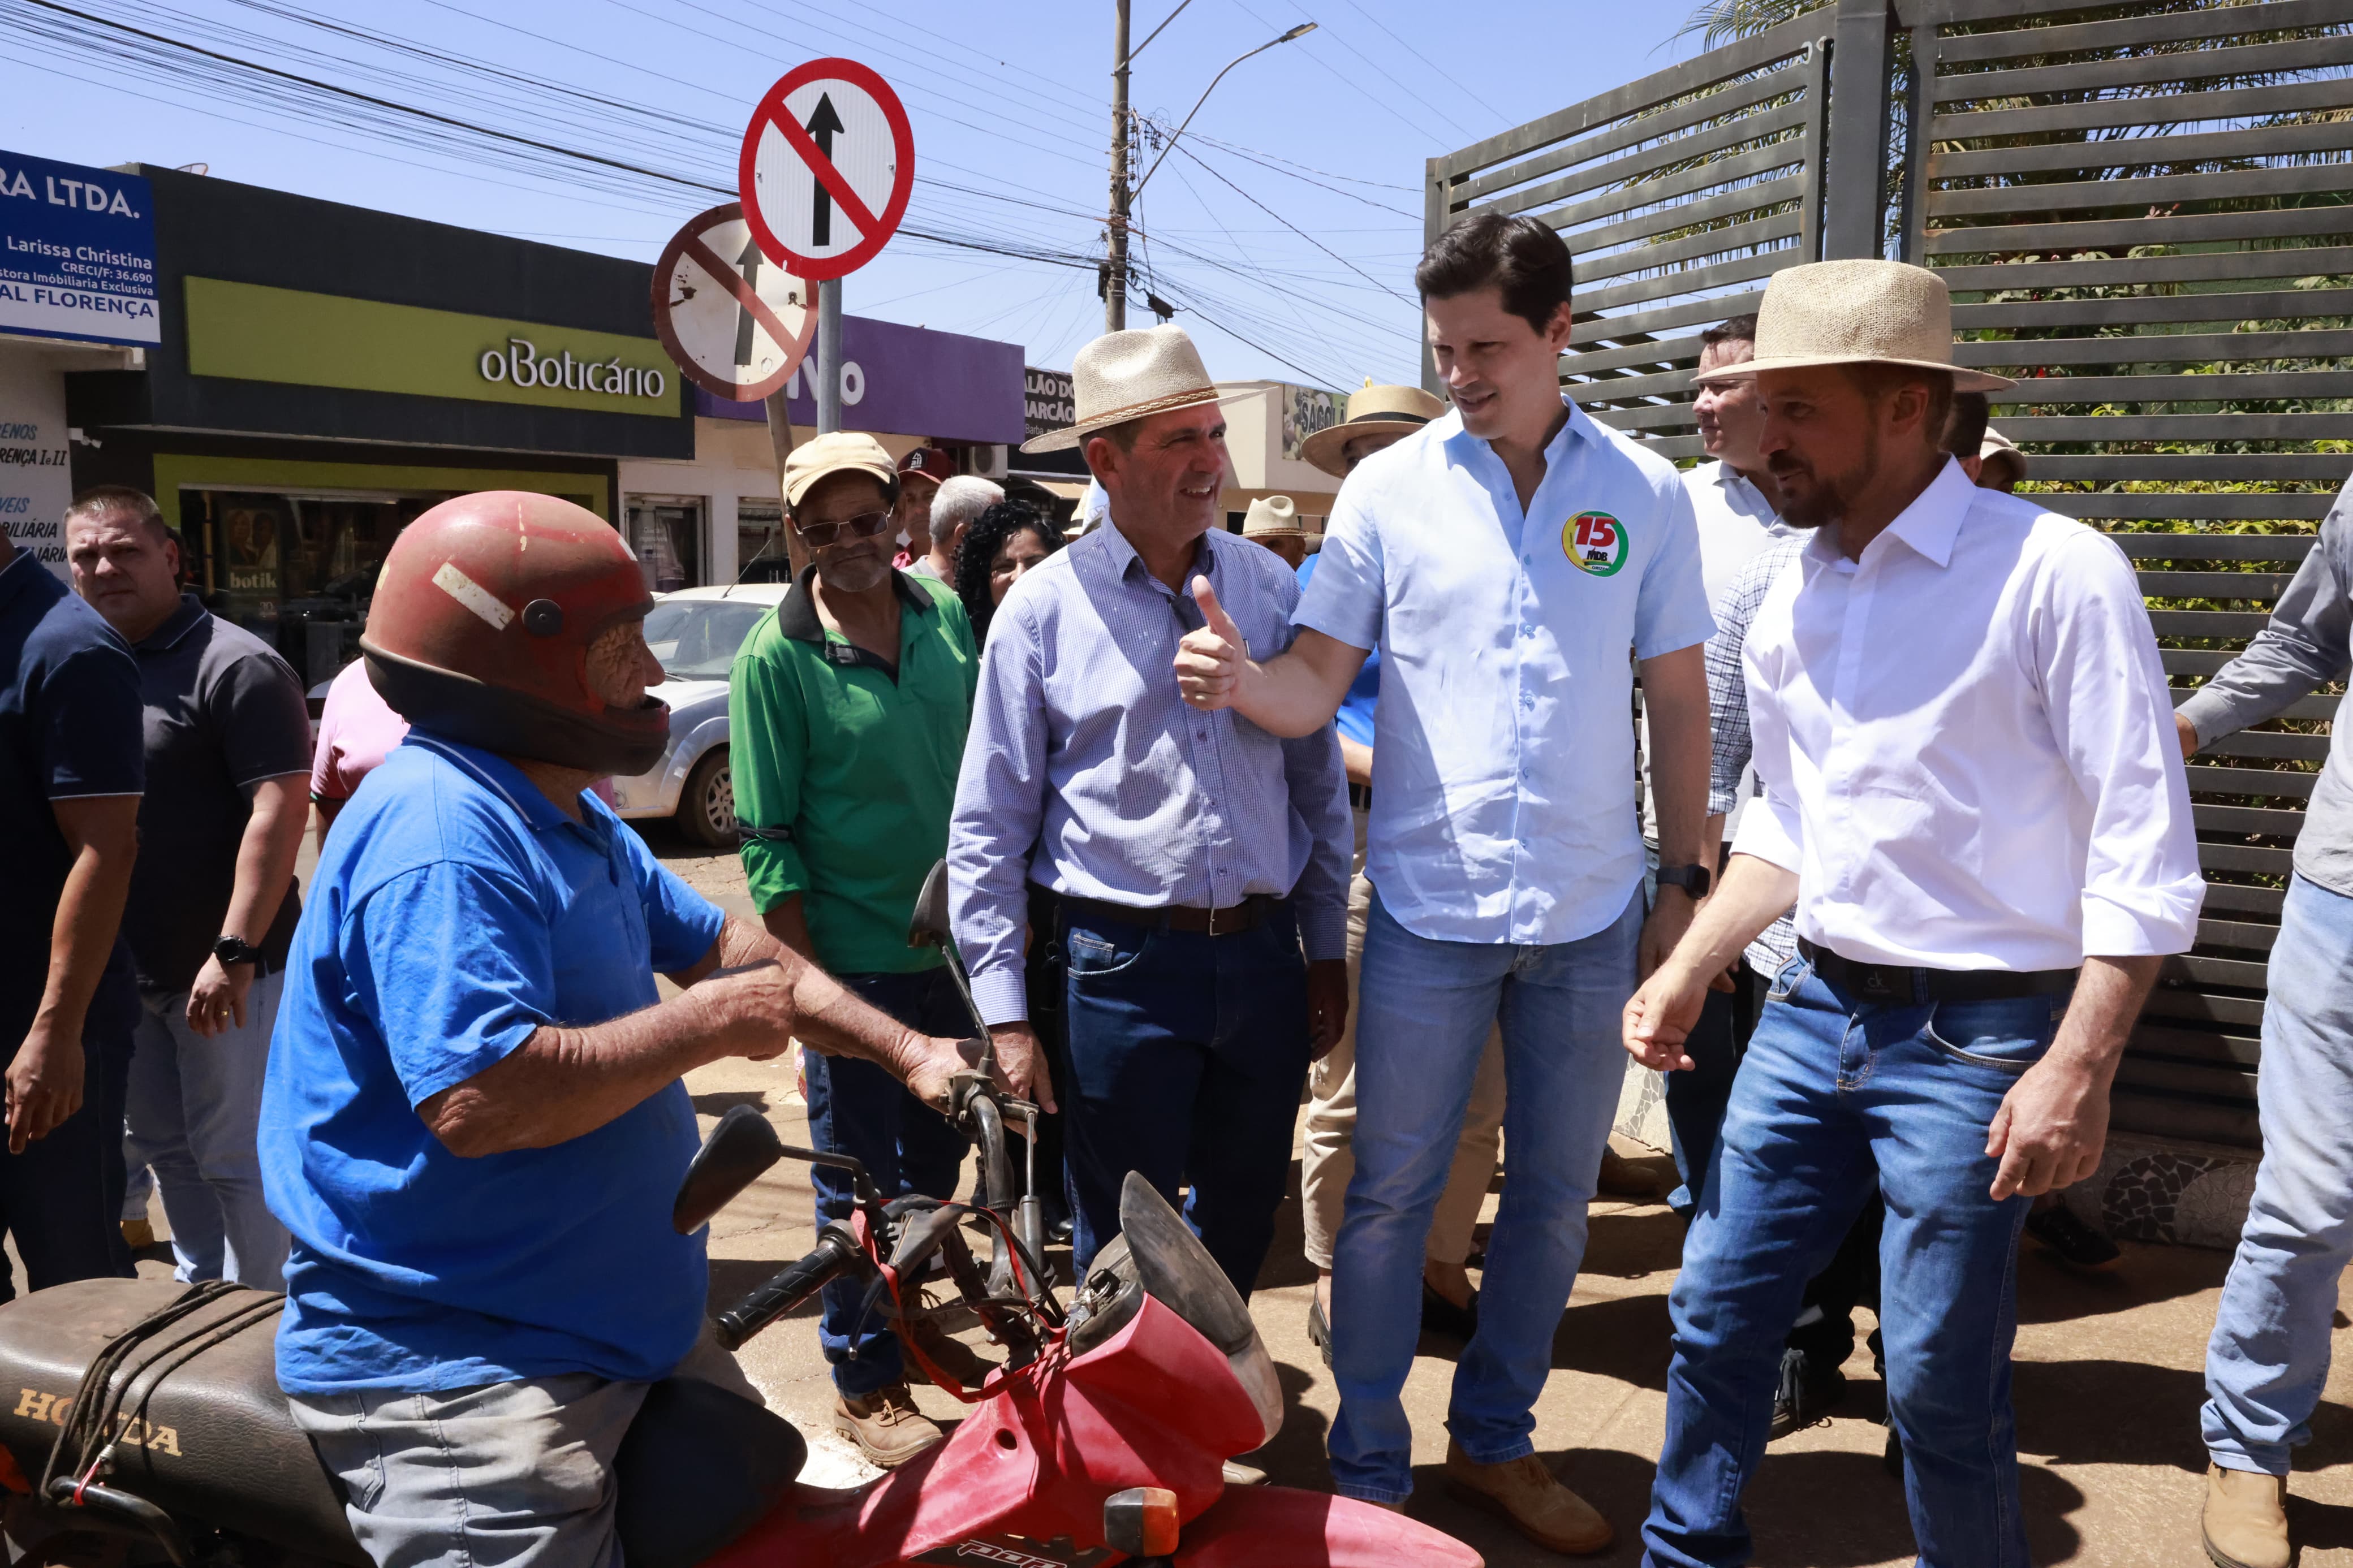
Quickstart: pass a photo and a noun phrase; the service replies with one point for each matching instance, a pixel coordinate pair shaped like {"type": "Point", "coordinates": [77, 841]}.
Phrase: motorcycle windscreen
{"type": "Point", "coordinates": [1178, 1272]}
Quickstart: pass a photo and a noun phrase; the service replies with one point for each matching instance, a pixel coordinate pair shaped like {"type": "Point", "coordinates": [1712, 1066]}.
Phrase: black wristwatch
{"type": "Point", "coordinates": [236, 950]}
{"type": "Point", "coordinates": [1692, 879]}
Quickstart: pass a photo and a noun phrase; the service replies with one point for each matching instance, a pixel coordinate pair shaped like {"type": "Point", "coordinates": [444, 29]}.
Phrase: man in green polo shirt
{"type": "Point", "coordinates": [846, 715]}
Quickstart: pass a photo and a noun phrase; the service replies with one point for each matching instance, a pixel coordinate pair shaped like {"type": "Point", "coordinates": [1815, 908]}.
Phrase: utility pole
{"type": "Point", "coordinates": [1115, 279]}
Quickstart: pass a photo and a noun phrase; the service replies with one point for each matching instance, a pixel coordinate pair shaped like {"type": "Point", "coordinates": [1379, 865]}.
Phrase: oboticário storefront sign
{"type": "Point", "coordinates": [519, 363]}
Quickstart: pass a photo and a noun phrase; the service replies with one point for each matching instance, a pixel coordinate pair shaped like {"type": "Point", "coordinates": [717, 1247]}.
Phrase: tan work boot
{"type": "Point", "coordinates": [2246, 1519]}
{"type": "Point", "coordinates": [1524, 1492]}
{"type": "Point", "coordinates": [885, 1424]}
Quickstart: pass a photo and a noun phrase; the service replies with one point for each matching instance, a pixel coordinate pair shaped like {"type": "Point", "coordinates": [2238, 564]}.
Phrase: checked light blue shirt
{"type": "Point", "coordinates": [1085, 772]}
{"type": "Point", "coordinates": [1503, 778]}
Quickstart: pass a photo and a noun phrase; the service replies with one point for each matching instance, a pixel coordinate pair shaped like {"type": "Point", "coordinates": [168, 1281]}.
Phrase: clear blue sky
{"type": "Point", "coordinates": [1010, 107]}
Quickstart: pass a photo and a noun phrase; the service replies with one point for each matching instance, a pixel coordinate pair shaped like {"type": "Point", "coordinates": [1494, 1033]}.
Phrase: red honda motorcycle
{"type": "Point", "coordinates": [141, 1420]}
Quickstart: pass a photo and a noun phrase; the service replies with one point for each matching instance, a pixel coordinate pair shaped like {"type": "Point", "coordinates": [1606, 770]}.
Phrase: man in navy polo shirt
{"type": "Point", "coordinates": [71, 770]}
{"type": "Point", "coordinates": [474, 1126]}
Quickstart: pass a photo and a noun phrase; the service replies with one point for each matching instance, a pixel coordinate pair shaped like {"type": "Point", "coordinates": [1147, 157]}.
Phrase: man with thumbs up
{"type": "Point", "coordinates": [1201, 862]}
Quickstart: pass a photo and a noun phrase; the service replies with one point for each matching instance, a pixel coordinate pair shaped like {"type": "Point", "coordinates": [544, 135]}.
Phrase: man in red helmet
{"type": "Point", "coordinates": [473, 1124]}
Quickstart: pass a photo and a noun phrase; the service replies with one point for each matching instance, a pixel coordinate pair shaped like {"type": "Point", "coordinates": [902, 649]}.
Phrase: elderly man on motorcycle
{"type": "Point", "coordinates": [474, 1122]}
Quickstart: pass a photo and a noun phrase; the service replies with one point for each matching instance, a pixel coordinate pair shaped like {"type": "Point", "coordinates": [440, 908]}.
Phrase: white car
{"type": "Point", "coordinates": [695, 632]}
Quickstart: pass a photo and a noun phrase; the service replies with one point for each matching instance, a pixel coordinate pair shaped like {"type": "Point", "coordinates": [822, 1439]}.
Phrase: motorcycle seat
{"type": "Point", "coordinates": [213, 1440]}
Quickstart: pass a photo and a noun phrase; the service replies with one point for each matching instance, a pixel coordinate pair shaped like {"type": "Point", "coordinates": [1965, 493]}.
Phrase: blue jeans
{"type": "Point", "coordinates": [2269, 1356]}
{"type": "Point", "coordinates": [1697, 1098]}
{"type": "Point", "coordinates": [192, 1113]}
{"type": "Point", "coordinates": [856, 1108]}
{"type": "Point", "coordinates": [1833, 1087]}
{"type": "Point", "coordinates": [1187, 1056]}
{"type": "Point", "coordinates": [1426, 1008]}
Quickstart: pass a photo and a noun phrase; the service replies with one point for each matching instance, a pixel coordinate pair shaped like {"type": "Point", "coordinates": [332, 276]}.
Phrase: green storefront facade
{"type": "Point", "coordinates": [327, 373]}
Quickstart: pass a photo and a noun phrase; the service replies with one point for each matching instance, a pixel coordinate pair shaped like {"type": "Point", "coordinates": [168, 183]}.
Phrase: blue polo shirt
{"type": "Point", "coordinates": [454, 912]}
{"type": "Point", "coordinates": [1503, 773]}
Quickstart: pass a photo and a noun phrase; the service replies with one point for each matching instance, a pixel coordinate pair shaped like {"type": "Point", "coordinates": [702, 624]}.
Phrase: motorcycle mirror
{"type": "Point", "coordinates": [929, 927]}
{"type": "Point", "coordinates": [739, 1151]}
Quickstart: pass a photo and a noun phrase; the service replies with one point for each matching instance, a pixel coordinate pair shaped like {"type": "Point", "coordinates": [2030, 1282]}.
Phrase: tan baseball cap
{"type": "Point", "coordinates": [844, 451]}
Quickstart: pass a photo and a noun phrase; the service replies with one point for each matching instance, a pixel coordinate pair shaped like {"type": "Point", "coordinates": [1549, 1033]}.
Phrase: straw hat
{"type": "Point", "coordinates": [1122, 377]}
{"type": "Point", "coordinates": [1857, 312]}
{"type": "Point", "coordinates": [1997, 448]}
{"type": "Point", "coordinates": [1371, 411]}
{"type": "Point", "coordinates": [843, 451]}
{"type": "Point", "coordinates": [1275, 516]}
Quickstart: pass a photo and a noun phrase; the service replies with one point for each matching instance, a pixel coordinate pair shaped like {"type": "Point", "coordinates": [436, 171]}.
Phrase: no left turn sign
{"type": "Point", "coordinates": [736, 321]}
{"type": "Point", "coordinates": [826, 167]}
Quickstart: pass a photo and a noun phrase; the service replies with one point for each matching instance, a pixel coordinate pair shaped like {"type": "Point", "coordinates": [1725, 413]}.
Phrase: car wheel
{"type": "Point", "coordinates": [706, 807]}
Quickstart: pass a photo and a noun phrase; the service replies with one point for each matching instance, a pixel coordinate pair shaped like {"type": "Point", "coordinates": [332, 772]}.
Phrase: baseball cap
{"type": "Point", "coordinates": [850, 451]}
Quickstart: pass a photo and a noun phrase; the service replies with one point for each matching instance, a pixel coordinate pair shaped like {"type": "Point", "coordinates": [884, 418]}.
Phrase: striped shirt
{"type": "Point", "coordinates": [1729, 744]}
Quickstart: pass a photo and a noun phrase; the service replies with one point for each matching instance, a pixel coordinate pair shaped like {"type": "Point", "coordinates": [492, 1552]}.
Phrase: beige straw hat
{"type": "Point", "coordinates": [1857, 312]}
{"type": "Point", "coordinates": [1375, 409]}
{"type": "Point", "coordinates": [1275, 516]}
{"type": "Point", "coordinates": [1997, 448]}
{"type": "Point", "coordinates": [1122, 377]}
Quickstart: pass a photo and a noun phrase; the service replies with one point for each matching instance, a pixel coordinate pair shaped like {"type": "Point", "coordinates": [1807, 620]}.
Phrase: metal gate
{"type": "Point", "coordinates": [2144, 210]}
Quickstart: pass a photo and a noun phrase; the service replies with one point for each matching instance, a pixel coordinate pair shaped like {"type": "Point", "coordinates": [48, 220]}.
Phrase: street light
{"type": "Point", "coordinates": [1115, 273]}
{"type": "Point", "coordinates": [1301, 31]}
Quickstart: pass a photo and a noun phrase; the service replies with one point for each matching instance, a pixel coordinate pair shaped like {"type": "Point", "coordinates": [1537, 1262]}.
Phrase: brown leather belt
{"type": "Point", "coordinates": [1895, 982]}
{"type": "Point", "coordinates": [1249, 915]}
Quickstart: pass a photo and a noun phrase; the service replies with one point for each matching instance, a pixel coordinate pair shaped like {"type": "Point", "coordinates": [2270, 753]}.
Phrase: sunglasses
{"type": "Point", "coordinates": [865, 525]}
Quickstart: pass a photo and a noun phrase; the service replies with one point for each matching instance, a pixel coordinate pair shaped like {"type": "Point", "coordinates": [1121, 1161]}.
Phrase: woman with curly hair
{"type": "Point", "coordinates": [1002, 543]}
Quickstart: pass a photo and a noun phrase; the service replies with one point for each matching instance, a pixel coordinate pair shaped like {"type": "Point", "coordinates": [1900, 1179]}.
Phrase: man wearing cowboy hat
{"type": "Point", "coordinates": [1379, 417]}
{"type": "Point", "coordinates": [1512, 561]}
{"type": "Point", "coordinates": [1273, 522]}
{"type": "Point", "coordinates": [1201, 863]}
{"type": "Point", "coordinates": [1973, 793]}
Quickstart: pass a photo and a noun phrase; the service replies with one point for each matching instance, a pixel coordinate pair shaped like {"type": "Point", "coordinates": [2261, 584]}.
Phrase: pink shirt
{"type": "Point", "coordinates": [355, 731]}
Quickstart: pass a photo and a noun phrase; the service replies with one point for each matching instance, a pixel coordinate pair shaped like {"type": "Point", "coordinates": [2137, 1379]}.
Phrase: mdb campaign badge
{"type": "Point", "coordinates": [1594, 542]}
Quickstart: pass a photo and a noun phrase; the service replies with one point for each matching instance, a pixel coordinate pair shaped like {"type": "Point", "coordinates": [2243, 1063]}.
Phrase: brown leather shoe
{"type": "Point", "coordinates": [1622, 1178]}
{"type": "Point", "coordinates": [2246, 1519]}
{"type": "Point", "coordinates": [139, 1234]}
{"type": "Point", "coordinates": [885, 1424]}
{"type": "Point", "coordinates": [1524, 1492]}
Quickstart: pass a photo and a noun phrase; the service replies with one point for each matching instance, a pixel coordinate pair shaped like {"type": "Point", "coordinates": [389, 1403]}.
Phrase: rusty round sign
{"type": "Point", "coordinates": [736, 323]}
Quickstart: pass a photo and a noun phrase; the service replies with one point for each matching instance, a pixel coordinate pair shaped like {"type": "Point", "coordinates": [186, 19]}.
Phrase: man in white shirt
{"type": "Point", "coordinates": [1972, 790]}
{"type": "Point", "coordinates": [1511, 562]}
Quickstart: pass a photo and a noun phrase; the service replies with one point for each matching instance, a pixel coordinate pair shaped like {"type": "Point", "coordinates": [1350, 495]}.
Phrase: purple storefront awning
{"type": "Point", "coordinates": [908, 380]}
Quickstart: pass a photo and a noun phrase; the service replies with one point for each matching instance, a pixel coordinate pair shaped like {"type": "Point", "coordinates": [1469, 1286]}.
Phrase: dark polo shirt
{"type": "Point", "coordinates": [68, 728]}
{"type": "Point", "coordinates": [223, 713]}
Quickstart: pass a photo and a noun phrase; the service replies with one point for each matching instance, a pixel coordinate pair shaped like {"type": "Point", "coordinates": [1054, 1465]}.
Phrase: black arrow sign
{"type": "Point", "coordinates": [750, 262]}
{"type": "Point", "coordinates": [823, 127]}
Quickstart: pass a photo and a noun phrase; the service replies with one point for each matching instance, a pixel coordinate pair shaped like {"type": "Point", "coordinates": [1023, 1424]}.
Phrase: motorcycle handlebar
{"type": "Point", "coordinates": [833, 1256]}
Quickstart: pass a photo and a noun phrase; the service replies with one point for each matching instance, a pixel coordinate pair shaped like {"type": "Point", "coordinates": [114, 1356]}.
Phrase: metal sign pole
{"type": "Point", "coordinates": [828, 356]}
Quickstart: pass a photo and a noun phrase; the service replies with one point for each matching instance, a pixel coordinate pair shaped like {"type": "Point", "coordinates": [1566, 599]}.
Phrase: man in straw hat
{"type": "Point", "coordinates": [1973, 794]}
{"type": "Point", "coordinates": [1273, 522]}
{"type": "Point", "coordinates": [1378, 418]}
{"type": "Point", "coordinates": [1201, 863]}
{"type": "Point", "coordinates": [1507, 560]}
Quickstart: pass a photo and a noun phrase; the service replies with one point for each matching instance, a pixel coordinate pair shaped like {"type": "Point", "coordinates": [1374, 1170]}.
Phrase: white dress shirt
{"type": "Point", "coordinates": [1966, 745]}
{"type": "Point", "coordinates": [1504, 758]}
{"type": "Point", "coordinates": [1735, 522]}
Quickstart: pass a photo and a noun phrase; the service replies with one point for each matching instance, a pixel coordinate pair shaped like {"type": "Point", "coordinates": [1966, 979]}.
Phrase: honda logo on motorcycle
{"type": "Point", "coordinates": [1016, 1551]}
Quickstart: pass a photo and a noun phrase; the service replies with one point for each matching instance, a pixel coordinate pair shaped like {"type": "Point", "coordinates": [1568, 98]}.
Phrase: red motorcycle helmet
{"type": "Point", "coordinates": [482, 624]}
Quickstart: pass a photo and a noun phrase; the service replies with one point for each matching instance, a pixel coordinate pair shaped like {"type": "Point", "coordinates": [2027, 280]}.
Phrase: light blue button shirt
{"type": "Point", "coordinates": [1503, 768]}
{"type": "Point", "coordinates": [1085, 771]}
